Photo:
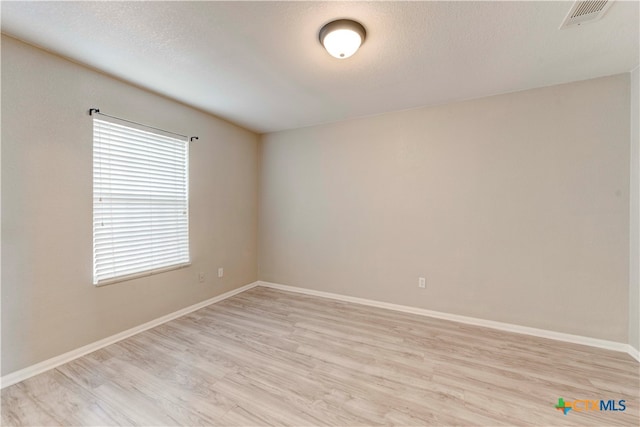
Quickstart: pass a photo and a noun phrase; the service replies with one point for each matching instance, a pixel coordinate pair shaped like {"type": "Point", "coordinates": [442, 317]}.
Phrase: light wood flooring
{"type": "Point", "coordinates": [267, 357]}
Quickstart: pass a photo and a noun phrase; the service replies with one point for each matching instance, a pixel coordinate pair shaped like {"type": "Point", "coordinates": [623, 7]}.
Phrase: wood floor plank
{"type": "Point", "coordinates": [268, 357]}
{"type": "Point", "coordinates": [20, 409]}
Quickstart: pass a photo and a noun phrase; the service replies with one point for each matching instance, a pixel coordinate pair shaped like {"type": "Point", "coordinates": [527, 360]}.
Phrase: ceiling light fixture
{"type": "Point", "coordinates": [342, 38]}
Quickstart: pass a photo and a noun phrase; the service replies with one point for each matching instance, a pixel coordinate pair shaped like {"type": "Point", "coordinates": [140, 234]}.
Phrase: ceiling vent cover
{"type": "Point", "coordinates": [583, 12]}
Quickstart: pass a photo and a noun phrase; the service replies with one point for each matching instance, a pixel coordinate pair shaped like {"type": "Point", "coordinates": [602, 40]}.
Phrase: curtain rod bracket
{"type": "Point", "coordinates": [93, 110]}
{"type": "Point", "coordinates": [193, 138]}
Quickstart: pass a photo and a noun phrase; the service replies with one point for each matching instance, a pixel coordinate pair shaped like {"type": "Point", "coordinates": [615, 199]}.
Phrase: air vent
{"type": "Point", "coordinates": [583, 12]}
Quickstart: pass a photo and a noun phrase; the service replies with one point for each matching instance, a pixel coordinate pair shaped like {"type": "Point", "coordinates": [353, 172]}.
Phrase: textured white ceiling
{"type": "Point", "coordinates": [259, 64]}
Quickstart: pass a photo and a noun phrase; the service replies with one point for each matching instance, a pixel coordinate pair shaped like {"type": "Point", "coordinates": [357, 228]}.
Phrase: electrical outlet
{"type": "Point", "coordinates": [221, 272]}
{"type": "Point", "coordinates": [422, 282]}
{"type": "Point", "coordinates": [201, 277]}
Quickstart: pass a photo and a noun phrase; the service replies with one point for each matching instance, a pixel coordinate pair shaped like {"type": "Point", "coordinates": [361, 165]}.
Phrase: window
{"type": "Point", "coordinates": [140, 201]}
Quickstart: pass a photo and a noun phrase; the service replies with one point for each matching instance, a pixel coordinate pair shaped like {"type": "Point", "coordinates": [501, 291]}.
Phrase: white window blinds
{"type": "Point", "coordinates": [140, 201]}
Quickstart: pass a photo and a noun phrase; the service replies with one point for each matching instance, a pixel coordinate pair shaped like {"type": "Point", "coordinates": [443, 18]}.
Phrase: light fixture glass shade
{"type": "Point", "coordinates": [342, 43]}
{"type": "Point", "coordinates": [342, 38]}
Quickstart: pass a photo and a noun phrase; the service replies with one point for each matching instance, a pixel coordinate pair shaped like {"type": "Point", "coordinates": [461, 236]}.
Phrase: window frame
{"type": "Point", "coordinates": [146, 135]}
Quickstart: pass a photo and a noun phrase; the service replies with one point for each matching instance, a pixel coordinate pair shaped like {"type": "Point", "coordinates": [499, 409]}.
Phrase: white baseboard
{"type": "Point", "coordinates": [543, 333]}
{"type": "Point", "coordinates": [30, 371]}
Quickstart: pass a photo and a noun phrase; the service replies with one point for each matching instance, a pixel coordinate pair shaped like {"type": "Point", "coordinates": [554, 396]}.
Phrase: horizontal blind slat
{"type": "Point", "coordinates": [114, 235]}
{"type": "Point", "coordinates": [118, 153]}
{"type": "Point", "coordinates": [129, 262]}
{"type": "Point", "coordinates": [107, 126]}
{"type": "Point", "coordinates": [131, 247]}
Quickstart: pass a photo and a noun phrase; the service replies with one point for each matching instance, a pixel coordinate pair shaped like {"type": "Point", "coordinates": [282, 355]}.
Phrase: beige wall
{"type": "Point", "coordinates": [515, 208]}
{"type": "Point", "coordinates": [49, 305]}
{"type": "Point", "coordinates": [634, 271]}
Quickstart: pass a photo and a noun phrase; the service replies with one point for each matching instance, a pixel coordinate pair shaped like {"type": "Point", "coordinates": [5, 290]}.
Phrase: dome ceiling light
{"type": "Point", "coordinates": [342, 38]}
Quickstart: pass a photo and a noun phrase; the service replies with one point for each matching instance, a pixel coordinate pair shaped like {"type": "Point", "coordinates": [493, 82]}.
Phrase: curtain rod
{"type": "Point", "coordinates": [93, 111]}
